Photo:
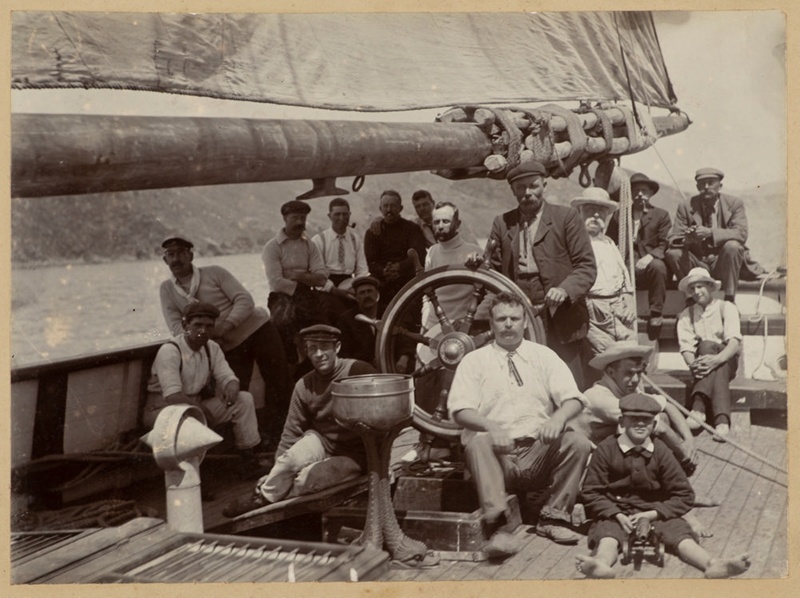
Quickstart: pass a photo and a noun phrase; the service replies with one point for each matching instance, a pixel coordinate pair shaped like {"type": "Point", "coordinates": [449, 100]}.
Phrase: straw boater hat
{"type": "Point", "coordinates": [620, 350]}
{"type": "Point", "coordinates": [595, 196]}
{"type": "Point", "coordinates": [698, 274]}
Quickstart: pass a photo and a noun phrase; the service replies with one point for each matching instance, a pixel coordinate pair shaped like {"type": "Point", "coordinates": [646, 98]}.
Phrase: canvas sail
{"type": "Point", "coordinates": [366, 62]}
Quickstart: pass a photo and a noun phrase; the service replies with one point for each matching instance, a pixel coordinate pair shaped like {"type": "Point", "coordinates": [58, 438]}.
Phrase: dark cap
{"type": "Point", "coordinates": [320, 332]}
{"type": "Point", "coordinates": [523, 169]}
{"type": "Point", "coordinates": [643, 179]}
{"type": "Point", "coordinates": [361, 280]}
{"type": "Point", "coordinates": [709, 173]}
{"type": "Point", "coordinates": [177, 240]}
{"type": "Point", "coordinates": [637, 403]}
{"type": "Point", "coordinates": [199, 308]}
{"type": "Point", "coordinates": [295, 207]}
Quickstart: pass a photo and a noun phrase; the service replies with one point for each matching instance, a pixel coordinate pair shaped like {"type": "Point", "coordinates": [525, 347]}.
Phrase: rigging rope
{"type": "Point", "coordinates": [757, 317]}
{"type": "Point", "coordinates": [625, 240]}
{"type": "Point", "coordinates": [708, 428]}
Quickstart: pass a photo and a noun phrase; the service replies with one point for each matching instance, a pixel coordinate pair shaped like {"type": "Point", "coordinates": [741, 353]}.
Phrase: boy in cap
{"type": "Point", "coordinates": [544, 248]}
{"type": "Point", "coordinates": [610, 300]}
{"type": "Point", "coordinates": [192, 369]}
{"type": "Point", "coordinates": [634, 476]}
{"type": "Point", "coordinates": [315, 451]}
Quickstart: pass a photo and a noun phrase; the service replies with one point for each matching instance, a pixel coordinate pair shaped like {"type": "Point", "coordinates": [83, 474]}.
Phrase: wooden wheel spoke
{"type": "Point", "coordinates": [429, 367]}
{"type": "Point", "coordinates": [483, 338]}
{"type": "Point", "coordinates": [478, 294]}
{"type": "Point", "coordinates": [444, 321]}
{"type": "Point", "coordinates": [414, 336]}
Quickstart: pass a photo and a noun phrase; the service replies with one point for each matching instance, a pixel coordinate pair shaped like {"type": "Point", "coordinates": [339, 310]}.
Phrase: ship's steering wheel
{"type": "Point", "coordinates": [448, 342]}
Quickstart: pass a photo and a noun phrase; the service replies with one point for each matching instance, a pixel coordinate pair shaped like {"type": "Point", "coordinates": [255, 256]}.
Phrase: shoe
{"type": "Point", "coordinates": [654, 325]}
{"type": "Point", "coordinates": [556, 531]}
{"type": "Point", "coordinates": [252, 466]}
{"type": "Point", "coordinates": [693, 423]}
{"type": "Point", "coordinates": [244, 505]}
{"type": "Point", "coordinates": [721, 432]}
{"type": "Point", "coordinates": [427, 561]}
{"type": "Point", "coordinates": [688, 467]}
{"type": "Point", "coordinates": [501, 546]}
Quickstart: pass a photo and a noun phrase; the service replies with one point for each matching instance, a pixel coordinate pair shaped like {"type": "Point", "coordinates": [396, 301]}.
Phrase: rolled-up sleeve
{"type": "Point", "coordinates": [731, 325]}
{"type": "Point", "coordinates": [687, 339]}
{"type": "Point", "coordinates": [167, 368]}
{"type": "Point", "coordinates": [561, 384]}
{"type": "Point", "coordinates": [219, 366]}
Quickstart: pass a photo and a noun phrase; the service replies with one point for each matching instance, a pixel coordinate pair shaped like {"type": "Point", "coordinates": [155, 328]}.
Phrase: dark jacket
{"type": "Point", "coordinates": [653, 232]}
{"type": "Point", "coordinates": [732, 220]}
{"type": "Point", "coordinates": [565, 259]}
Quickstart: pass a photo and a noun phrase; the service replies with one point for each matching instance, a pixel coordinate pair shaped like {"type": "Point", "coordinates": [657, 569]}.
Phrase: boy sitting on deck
{"type": "Point", "coordinates": [633, 476]}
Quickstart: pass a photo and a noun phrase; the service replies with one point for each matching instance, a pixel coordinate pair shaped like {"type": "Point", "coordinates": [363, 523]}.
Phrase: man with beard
{"type": "Point", "coordinates": [651, 226]}
{"type": "Point", "coordinates": [545, 249]}
{"type": "Point", "coordinates": [712, 230]}
{"type": "Point", "coordinates": [315, 451]}
{"type": "Point", "coordinates": [387, 253]}
{"type": "Point", "coordinates": [243, 331]}
{"type": "Point", "coordinates": [294, 266]}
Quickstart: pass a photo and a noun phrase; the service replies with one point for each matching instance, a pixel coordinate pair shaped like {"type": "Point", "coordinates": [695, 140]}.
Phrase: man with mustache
{"type": "Point", "coordinates": [651, 227]}
{"type": "Point", "coordinates": [294, 266]}
{"type": "Point", "coordinates": [545, 249]}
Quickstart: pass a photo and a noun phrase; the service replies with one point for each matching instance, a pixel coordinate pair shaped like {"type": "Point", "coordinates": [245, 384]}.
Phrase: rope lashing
{"type": "Point", "coordinates": [577, 137]}
{"type": "Point", "coordinates": [708, 428]}
{"type": "Point", "coordinates": [607, 129]}
{"type": "Point", "coordinates": [625, 240]}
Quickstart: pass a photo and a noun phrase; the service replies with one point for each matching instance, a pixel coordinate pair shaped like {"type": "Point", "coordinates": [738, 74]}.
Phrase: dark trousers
{"type": "Point", "coordinates": [265, 348]}
{"type": "Point", "coordinates": [654, 280]}
{"type": "Point", "coordinates": [724, 265]}
{"type": "Point", "coordinates": [715, 388]}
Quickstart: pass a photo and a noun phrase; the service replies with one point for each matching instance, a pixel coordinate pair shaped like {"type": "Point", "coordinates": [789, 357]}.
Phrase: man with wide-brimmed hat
{"type": "Point", "coordinates": [610, 301]}
{"type": "Point", "coordinates": [651, 227]}
{"type": "Point", "coordinates": [545, 250]}
{"type": "Point", "coordinates": [710, 230]}
{"type": "Point", "coordinates": [244, 331]}
{"type": "Point", "coordinates": [315, 451]}
{"type": "Point", "coordinates": [709, 339]}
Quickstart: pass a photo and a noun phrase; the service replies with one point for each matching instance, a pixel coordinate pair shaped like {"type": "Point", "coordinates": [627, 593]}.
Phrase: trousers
{"type": "Point", "coordinates": [724, 265]}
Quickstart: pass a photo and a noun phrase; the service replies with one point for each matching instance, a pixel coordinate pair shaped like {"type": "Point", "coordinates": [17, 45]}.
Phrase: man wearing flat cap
{"type": "Point", "coordinates": [294, 266]}
{"type": "Point", "coordinates": [243, 331]}
{"type": "Point", "coordinates": [315, 451]}
{"type": "Point", "coordinates": [544, 248]}
{"type": "Point", "coordinates": [651, 227]}
{"type": "Point", "coordinates": [191, 368]}
{"type": "Point", "coordinates": [610, 300]}
{"type": "Point", "coordinates": [710, 230]}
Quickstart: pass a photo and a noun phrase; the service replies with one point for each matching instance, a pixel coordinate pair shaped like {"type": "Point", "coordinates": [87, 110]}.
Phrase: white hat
{"type": "Point", "coordinates": [595, 196]}
{"type": "Point", "coordinates": [698, 274]}
{"type": "Point", "coordinates": [620, 350]}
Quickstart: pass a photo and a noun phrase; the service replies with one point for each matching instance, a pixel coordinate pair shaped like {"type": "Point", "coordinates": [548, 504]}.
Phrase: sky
{"type": "Point", "coordinates": [727, 69]}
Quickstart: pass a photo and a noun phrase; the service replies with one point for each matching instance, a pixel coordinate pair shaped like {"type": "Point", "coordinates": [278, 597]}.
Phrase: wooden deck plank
{"type": "Point", "coordinates": [533, 547]}
{"type": "Point", "coordinates": [776, 563]}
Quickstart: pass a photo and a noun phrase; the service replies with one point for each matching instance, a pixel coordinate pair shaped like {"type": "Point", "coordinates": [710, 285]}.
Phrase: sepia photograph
{"type": "Point", "coordinates": [458, 296]}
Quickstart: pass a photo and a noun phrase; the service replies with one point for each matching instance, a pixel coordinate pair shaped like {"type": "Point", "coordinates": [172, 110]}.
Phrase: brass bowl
{"type": "Point", "coordinates": [381, 401]}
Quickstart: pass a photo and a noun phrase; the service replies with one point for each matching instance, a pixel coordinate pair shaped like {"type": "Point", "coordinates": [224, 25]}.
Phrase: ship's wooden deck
{"type": "Point", "coordinates": [752, 516]}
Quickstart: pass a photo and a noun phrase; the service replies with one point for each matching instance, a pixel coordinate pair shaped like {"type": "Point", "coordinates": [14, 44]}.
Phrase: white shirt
{"type": "Point", "coordinates": [484, 383]}
{"type": "Point", "coordinates": [355, 262]}
{"type": "Point", "coordinates": [527, 234]}
{"type": "Point", "coordinates": [612, 276]}
{"type": "Point", "coordinates": [169, 376]}
{"type": "Point", "coordinates": [718, 322]}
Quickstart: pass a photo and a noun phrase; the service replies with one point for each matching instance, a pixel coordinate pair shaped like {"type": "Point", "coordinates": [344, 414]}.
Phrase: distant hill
{"type": "Point", "coordinates": [230, 219]}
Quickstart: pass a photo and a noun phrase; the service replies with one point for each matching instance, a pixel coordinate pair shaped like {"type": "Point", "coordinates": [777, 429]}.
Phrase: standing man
{"type": "Point", "coordinates": [423, 206]}
{"type": "Point", "coordinates": [545, 249]}
{"type": "Point", "coordinates": [343, 253]}
{"type": "Point", "coordinates": [294, 266]}
{"type": "Point", "coordinates": [191, 369]}
{"type": "Point", "coordinates": [514, 398]}
{"type": "Point", "coordinates": [651, 227]}
{"type": "Point", "coordinates": [610, 300]}
{"type": "Point", "coordinates": [387, 253]}
{"type": "Point", "coordinates": [712, 228]}
{"type": "Point", "coordinates": [243, 331]}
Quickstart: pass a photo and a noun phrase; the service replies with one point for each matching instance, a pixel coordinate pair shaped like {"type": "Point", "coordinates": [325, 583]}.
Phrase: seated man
{"type": "Point", "coordinates": [315, 451]}
{"type": "Point", "coordinates": [191, 369]}
{"type": "Point", "coordinates": [610, 300]}
{"type": "Point", "coordinates": [634, 476]}
{"type": "Point", "coordinates": [514, 399]}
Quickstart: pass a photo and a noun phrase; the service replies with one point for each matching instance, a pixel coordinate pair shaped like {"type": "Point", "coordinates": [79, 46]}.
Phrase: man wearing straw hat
{"type": "Point", "coordinates": [651, 226]}
{"type": "Point", "coordinates": [610, 301]}
{"type": "Point", "coordinates": [709, 339]}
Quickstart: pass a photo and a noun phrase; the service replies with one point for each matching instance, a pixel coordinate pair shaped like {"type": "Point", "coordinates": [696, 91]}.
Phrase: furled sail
{"type": "Point", "coordinates": [365, 62]}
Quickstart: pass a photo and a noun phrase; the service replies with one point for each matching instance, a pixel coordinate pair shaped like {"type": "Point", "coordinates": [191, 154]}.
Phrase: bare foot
{"type": "Point", "coordinates": [593, 567]}
{"type": "Point", "coordinates": [697, 527]}
{"type": "Point", "coordinates": [721, 568]}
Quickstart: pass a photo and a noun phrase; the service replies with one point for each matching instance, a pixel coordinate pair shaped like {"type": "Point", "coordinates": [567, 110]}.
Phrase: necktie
{"type": "Point", "coordinates": [512, 369]}
{"type": "Point", "coordinates": [341, 252]}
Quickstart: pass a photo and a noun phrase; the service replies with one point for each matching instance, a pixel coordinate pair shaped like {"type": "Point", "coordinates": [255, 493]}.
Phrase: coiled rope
{"type": "Point", "coordinates": [758, 317]}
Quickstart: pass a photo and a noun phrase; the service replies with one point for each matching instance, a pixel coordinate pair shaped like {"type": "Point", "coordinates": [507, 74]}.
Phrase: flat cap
{"type": "Point", "coordinates": [198, 308]}
{"type": "Point", "coordinates": [708, 173]}
{"type": "Point", "coordinates": [643, 179]}
{"type": "Point", "coordinates": [361, 280]}
{"type": "Point", "coordinates": [295, 207]}
{"type": "Point", "coordinates": [523, 169]}
{"type": "Point", "coordinates": [320, 332]}
{"type": "Point", "coordinates": [595, 196]}
{"type": "Point", "coordinates": [177, 240]}
{"type": "Point", "coordinates": [620, 350]}
{"type": "Point", "coordinates": [637, 403]}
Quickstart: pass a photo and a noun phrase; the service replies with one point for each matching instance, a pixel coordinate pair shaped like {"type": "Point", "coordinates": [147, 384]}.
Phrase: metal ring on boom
{"type": "Point", "coordinates": [358, 182]}
{"type": "Point", "coordinates": [451, 344]}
